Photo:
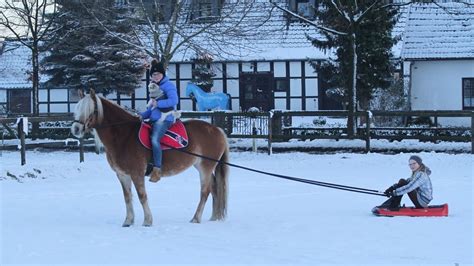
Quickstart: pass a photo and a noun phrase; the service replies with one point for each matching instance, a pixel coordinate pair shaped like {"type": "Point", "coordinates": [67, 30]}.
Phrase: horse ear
{"type": "Point", "coordinates": [80, 92]}
{"type": "Point", "coordinates": [92, 93]}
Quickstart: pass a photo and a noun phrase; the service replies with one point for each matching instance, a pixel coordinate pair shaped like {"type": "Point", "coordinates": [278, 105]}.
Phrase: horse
{"type": "Point", "coordinates": [118, 129]}
{"type": "Point", "coordinates": [206, 101]}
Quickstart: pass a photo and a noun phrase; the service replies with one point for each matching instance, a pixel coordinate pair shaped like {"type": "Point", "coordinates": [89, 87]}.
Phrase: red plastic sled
{"type": "Point", "coordinates": [430, 211]}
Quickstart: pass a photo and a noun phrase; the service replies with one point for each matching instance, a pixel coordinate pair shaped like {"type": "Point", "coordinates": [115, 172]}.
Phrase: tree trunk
{"type": "Point", "coordinates": [35, 82]}
{"type": "Point", "coordinates": [352, 120]}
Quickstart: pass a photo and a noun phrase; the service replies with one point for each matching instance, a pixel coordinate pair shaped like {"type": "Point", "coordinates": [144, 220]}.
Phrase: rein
{"type": "Point", "coordinates": [296, 179]}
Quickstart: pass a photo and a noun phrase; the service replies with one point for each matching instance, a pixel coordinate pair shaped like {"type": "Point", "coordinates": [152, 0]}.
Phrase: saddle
{"type": "Point", "coordinates": [176, 136]}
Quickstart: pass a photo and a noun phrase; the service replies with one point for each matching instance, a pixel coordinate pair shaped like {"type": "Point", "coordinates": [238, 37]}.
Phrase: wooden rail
{"type": "Point", "coordinates": [277, 126]}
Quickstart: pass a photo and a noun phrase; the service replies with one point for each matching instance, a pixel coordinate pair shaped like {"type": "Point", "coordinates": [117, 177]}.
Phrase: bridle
{"type": "Point", "coordinates": [94, 115]}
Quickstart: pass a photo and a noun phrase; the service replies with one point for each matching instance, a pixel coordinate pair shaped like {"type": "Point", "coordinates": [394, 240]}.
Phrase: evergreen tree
{"type": "Point", "coordinates": [202, 73]}
{"type": "Point", "coordinates": [373, 48]}
{"type": "Point", "coordinates": [81, 54]}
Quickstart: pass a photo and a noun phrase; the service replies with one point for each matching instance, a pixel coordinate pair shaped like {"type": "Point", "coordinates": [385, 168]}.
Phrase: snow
{"type": "Point", "coordinates": [69, 212]}
{"type": "Point", "coordinates": [14, 65]}
{"type": "Point", "coordinates": [357, 144]}
{"type": "Point", "coordinates": [439, 30]}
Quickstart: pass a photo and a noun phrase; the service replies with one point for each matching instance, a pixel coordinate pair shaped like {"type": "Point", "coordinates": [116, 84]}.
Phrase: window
{"type": "Point", "coordinates": [121, 2]}
{"type": "Point", "coordinates": [74, 95]}
{"type": "Point", "coordinates": [19, 101]}
{"type": "Point", "coordinates": [157, 11]}
{"type": "Point", "coordinates": [304, 8]}
{"type": "Point", "coordinates": [468, 93]}
{"type": "Point", "coordinates": [206, 10]}
{"type": "Point", "coordinates": [282, 84]}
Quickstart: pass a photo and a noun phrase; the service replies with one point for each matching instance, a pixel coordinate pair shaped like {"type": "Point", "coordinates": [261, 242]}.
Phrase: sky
{"type": "Point", "coordinates": [55, 210]}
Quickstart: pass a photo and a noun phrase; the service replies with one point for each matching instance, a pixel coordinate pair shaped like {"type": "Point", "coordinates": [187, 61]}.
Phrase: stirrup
{"type": "Point", "coordinates": [149, 168]}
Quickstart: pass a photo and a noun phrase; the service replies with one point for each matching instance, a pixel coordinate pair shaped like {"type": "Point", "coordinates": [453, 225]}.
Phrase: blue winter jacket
{"type": "Point", "coordinates": [421, 183]}
{"type": "Point", "coordinates": [168, 102]}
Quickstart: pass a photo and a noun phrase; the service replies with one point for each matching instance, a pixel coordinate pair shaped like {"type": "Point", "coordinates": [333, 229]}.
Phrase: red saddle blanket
{"type": "Point", "coordinates": [175, 137]}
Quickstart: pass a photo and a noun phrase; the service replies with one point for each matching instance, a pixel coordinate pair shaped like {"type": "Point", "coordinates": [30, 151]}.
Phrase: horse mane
{"type": "Point", "coordinates": [193, 87]}
{"type": "Point", "coordinates": [85, 108]}
{"type": "Point", "coordinates": [121, 113]}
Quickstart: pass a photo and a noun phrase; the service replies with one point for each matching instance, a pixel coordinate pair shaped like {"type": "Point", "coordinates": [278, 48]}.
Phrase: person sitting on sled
{"type": "Point", "coordinates": [166, 99]}
{"type": "Point", "coordinates": [418, 186]}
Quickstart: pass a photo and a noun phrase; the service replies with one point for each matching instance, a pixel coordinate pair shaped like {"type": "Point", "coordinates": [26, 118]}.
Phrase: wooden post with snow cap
{"type": "Point", "coordinates": [270, 132]}
{"type": "Point", "coordinates": [254, 139]}
{"type": "Point", "coordinates": [81, 150]}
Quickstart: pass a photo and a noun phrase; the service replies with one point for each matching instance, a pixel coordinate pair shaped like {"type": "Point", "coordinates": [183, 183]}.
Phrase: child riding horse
{"type": "Point", "coordinates": [118, 130]}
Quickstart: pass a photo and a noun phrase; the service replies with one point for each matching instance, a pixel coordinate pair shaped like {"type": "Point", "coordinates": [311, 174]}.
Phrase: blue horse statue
{"type": "Point", "coordinates": [208, 101]}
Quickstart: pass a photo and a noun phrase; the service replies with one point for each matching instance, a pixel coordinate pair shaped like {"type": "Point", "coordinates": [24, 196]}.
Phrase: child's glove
{"type": "Point", "coordinates": [392, 187]}
{"type": "Point", "coordinates": [389, 193]}
{"type": "Point", "coordinates": [151, 103]}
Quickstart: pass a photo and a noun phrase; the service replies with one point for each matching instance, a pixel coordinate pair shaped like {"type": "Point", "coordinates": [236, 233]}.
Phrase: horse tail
{"type": "Point", "coordinates": [221, 185]}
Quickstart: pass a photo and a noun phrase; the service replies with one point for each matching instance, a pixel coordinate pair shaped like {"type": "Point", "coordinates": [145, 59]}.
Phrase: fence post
{"type": "Point", "coordinates": [270, 132]}
{"type": "Point", "coordinates": [21, 134]}
{"type": "Point", "coordinates": [472, 132]}
{"type": "Point", "coordinates": [367, 130]}
{"type": "Point", "coordinates": [81, 150]}
{"type": "Point", "coordinates": [254, 139]}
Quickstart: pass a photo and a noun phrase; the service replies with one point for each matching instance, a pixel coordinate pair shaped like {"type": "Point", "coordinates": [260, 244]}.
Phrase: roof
{"type": "Point", "coordinates": [263, 38]}
{"type": "Point", "coordinates": [15, 62]}
{"type": "Point", "coordinates": [439, 31]}
{"type": "Point", "coordinates": [428, 31]}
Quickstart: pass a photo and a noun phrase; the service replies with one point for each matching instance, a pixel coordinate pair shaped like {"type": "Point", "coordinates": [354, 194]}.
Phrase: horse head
{"type": "Point", "coordinates": [87, 115]}
{"type": "Point", "coordinates": [193, 90]}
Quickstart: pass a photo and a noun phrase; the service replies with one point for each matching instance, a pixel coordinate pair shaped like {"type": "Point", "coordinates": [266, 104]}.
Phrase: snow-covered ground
{"type": "Point", "coordinates": [55, 210]}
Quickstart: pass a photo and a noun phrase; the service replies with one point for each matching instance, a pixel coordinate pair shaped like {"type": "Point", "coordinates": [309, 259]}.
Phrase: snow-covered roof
{"type": "Point", "coordinates": [399, 29]}
{"type": "Point", "coordinates": [266, 37]}
{"type": "Point", "coordinates": [439, 31]}
{"type": "Point", "coordinates": [427, 31]}
{"type": "Point", "coordinates": [15, 64]}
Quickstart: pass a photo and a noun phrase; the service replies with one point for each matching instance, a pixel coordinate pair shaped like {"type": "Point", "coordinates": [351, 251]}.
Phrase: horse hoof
{"type": "Point", "coordinates": [127, 223]}
{"type": "Point", "coordinates": [195, 221]}
{"type": "Point", "coordinates": [147, 224]}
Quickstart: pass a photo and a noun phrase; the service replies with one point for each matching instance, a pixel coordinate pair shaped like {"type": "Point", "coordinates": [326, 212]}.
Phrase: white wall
{"type": "Point", "coordinates": [437, 85]}
{"type": "Point", "coordinates": [3, 96]}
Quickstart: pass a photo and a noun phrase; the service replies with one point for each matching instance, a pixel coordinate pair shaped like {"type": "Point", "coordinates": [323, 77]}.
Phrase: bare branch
{"type": "Point", "coordinates": [329, 30]}
{"type": "Point", "coordinates": [366, 11]}
{"type": "Point", "coordinates": [343, 15]}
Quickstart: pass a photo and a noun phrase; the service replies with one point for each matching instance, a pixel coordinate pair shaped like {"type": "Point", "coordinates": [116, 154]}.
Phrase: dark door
{"type": "Point", "coordinates": [19, 101]}
{"type": "Point", "coordinates": [256, 90]}
{"type": "Point", "coordinates": [325, 102]}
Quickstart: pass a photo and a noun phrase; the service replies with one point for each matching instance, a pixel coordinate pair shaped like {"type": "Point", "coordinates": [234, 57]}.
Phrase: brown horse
{"type": "Point", "coordinates": [118, 129]}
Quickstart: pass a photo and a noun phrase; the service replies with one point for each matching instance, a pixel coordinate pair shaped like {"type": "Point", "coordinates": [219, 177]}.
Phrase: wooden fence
{"type": "Point", "coordinates": [280, 126]}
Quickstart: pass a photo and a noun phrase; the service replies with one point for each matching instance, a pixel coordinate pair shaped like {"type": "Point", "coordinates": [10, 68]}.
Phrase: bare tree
{"type": "Point", "coordinates": [353, 15]}
{"type": "Point", "coordinates": [212, 27]}
{"type": "Point", "coordinates": [27, 21]}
